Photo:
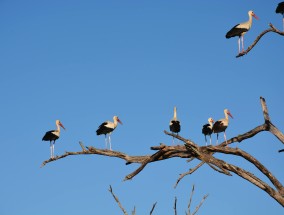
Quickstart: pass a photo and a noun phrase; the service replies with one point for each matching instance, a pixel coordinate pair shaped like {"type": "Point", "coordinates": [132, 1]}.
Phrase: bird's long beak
{"type": "Point", "coordinates": [255, 16]}
{"type": "Point", "coordinates": [230, 115]}
{"type": "Point", "coordinates": [119, 121]}
{"type": "Point", "coordinates": [62, 125]}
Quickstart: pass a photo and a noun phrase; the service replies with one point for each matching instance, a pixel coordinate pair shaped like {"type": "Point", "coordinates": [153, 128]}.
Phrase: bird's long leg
{"type": "Point", "coordinates": [173, 143]}
{"type": "Point", "coordinates": [243, 47]}
{"type": "Point", "coordinates": [51, 150]}
{"type": "Point", "coordinates": [225, 136]}
{"type": "Point", "coordinates": [239, 43]}
{"type": "Point", "coordinates": [205, 139]}
{"type": "Point", "coordinates": [217, 138]}
{"type": "Point", "coordinates": [283, 22]}
{"type": "Point", "coordinates": [106, 140]}
{"type": "Point", "coordinates": [109, 142]}
{"type": "Point", "coordinates": [210, 140]}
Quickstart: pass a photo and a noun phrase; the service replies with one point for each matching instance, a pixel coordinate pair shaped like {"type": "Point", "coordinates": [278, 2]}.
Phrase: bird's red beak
{"type": "Point", "coordinates": [119, 121]}
{"type": "Point", "coordinates": [62, 125]}
{"type": "Point", "coordinates": [255, 16]}
{"type": "Point", "coordinates": [230, 115]}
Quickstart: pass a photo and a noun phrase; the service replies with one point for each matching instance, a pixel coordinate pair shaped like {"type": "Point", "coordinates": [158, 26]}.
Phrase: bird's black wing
{"type": "Point", "coordinates": [49, 136]}
{"type": "Point", "coordinates": [103, 129]}
{"type": "Point", "coordinates": [235, 32]}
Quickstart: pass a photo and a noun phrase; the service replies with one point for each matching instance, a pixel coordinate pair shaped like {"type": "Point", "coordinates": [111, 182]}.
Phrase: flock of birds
{"type": "Point", "coordinates": [207, 129]}
{"type": "Point", "coordinates": [219, 126]}
{"type": "Point", "coordinates": [241, 29]}
{"type": "Point", "coordinates": [108, 127]}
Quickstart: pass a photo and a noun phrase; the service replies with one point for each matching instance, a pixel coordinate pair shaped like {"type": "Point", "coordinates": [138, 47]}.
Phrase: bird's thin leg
{"type": "Point", "coordinates": [51, 150]}
{"type": "Point", "coordinates": [243, 47]}
{"type": "Point", "coordinates": [217, 138]}
{"type": "Point", "coordinates": [109, 142]}
{"type": "Point", "coordinates": [225, 137]}
{"type": "Point", "coordinates": [239, 43]}
{"type": "Point", "coordinates": [210, 140]}
{"type": "Point", "coordinates": [106, 140]}
{"type": "Point", "coordinates": [283, 22]}
{"type": "Point", "coordinates": [173, 143]}
{"type": "Point", "coordinates": [205, 139]}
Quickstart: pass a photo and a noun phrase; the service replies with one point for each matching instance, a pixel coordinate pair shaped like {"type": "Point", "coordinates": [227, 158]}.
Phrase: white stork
{"type": "Point", "coordinates": [222, 124]}
{"type": "Point", "coordinates": [240, 30]}
{"type": "Point", "coordinates": [208, 129]}
{"type": "Point", "coordinates": [280, 9]}
{"type": "Point", "coordinates": [175, 124]}
{"type": "Point", "coordinates": [53, 135]}
{"type": "Point", "coordinates": [107, 127]}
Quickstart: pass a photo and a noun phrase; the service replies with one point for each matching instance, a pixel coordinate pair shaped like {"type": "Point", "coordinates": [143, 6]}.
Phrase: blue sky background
{"type": "Point", "coordinates": [84, 61]}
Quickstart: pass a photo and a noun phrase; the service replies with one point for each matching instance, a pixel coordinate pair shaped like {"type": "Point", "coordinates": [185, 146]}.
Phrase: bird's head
{"type": "Point", "coordinates": [211, 120]}
{"type": "Point", "coordinates": [60, 124]}
{"type": "Point", "coordinates": [251, 13]}
{"type": "Point", "coordinates": [226, 111]}
{"type": "Point", "coordinates": [117, 119]}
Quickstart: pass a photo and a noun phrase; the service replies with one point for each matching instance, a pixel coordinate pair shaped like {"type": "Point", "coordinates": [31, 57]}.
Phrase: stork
{"type": "Point", "coordinates": [107, 128]}
{"type": "Point", "coordinates": [280, 9]}
{"type": "Point", "coordinates": [53, 135]}
{"type": "Point", "coordinates": [222, 124]}
{"type": "Point", "coordinates": [175, 124]}
{"type": "Point", "coordinates": [240, 30]}
{"type": "Point", "coordinates": [207, 130]}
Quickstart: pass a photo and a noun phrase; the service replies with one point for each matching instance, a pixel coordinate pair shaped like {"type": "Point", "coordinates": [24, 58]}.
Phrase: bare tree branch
{"type": "Point", "coordinates": [190, 150]}
{"type": "Point", "coordinates": [271, 29]}
{"type": "Point", "coordinates": [117, 200]}
{"type": "Point", "coordinates": [153, 207]}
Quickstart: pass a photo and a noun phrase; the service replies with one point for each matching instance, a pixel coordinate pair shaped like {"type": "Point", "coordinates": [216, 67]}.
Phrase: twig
{"type": "Point", "coordinates": [175, 206]}
{"type": "Point", "coordinates": [117, 200]}
{"type": "Point", "coordinates": [190, 199]}
{"type": "Point", "coordinates": [153, 207]}
{"type": "Point", "coordinates": [200, 204]}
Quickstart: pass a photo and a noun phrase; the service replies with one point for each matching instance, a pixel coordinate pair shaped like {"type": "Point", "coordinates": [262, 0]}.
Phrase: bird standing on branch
{"type": "Point", "coordinates": [175, 124]}
{"type": "Point", "coordinates": [53, 135]}
{"type": "Point", "coordinates": [208, 129]}
{"type": "Point", "coordinates": [107, 128]}
{"type": "Point", "coordinates": [241, 29]}
{"type": "Point", "coordinates": [222, 124]}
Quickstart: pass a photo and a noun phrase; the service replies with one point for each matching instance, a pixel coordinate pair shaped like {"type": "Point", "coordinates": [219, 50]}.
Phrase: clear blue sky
{"type": "Point", "coordinates": [84, 61]}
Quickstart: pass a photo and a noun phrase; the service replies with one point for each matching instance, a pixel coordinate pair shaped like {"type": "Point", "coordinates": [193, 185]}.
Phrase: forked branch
{"type": "Point", "coordinates": [271, 29]}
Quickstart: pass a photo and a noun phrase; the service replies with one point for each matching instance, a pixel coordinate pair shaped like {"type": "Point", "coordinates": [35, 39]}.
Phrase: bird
{"type": "Point", "coordinates": [222, 124]}
{"type": "Point", "coordinates": [107, 128]}
{"type": "Point", "coordinates": [280, 9]}
{"type": "Point", "coordinates": [175, 124]}
{"type": "Point", "coordinates": [240, 30]}
{"type": "Point", "coordinates": [52, 136]}
{"type": "Point", "coordinates": [207, 130]}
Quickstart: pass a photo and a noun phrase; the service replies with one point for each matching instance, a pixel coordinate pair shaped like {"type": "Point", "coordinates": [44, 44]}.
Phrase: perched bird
{"type": "Point", "coordinates": [240, 30]}
{"type": "Point", "coordinates": [53, 135]}
{"type": "Point", "coordinates": [222, 124]}
{"type": "Point", "coordinates": [107, 127]}
{"type": "Point", "coordinates": [175, 124]}
{"type": "Point", "coordinates": [207, 130]}
{"type": "Point", "coordinates": [280, 9]}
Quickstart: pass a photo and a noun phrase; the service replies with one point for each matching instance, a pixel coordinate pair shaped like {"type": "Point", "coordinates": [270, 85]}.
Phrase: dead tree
{"type": "Point", "coordinates": [271, 29]}
{"type": "Point", "coordinates": [154, 205]}
{"type": "Point", "coordinates": [205, 154]}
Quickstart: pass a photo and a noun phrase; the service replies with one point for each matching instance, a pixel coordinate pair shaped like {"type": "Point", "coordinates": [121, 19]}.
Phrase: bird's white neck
{"type": "Point", "coordinates": [249, 21]}
{"type": "Point", "coordinates": [58, 128]}
{"type": "Point", "coordinates": [114, 122]}
{"type": "Point", "coordinates": [226, 115]}
{"type": "Point", "coordinates": [175, 113]}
